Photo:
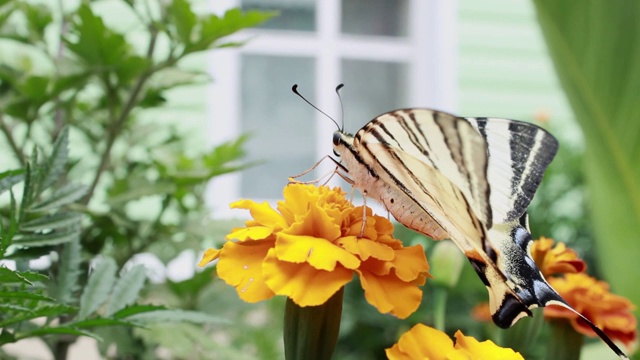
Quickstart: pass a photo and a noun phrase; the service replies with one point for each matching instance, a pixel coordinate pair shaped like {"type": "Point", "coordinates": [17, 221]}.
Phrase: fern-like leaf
{"type": "Point", "coordinates": [98, 287]}
{"type": "Point", "coordinates": [126, 290]}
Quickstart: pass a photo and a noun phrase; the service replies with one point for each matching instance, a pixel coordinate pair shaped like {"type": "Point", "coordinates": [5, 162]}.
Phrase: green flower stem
{"type": "Point", "coordinates": [523, 336]}
{"type": "Point", "coordinates": [565, 343]}
{"type": "Point", "coordinates": [311, 332]}
{"type": "Point", "coordinates": [440, 294]}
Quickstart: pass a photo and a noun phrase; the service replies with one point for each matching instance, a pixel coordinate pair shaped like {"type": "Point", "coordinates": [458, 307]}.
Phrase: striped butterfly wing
{"type": "Point", "coordinates": [470, 180]}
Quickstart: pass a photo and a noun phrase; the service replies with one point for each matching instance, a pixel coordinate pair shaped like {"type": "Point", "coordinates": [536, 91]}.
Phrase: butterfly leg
{"type": "Point", "coordinates": [364, 212]}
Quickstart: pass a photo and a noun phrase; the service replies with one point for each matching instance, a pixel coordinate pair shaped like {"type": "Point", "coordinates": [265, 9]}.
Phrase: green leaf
{"type": "Point", "coordinates": [6, 337]}
{"type": "Point", "coordinates": [90, 323]}
{"type": "Point", "coordinates": [38, 18]}
{"type": "Point", "coordinates": [58, 330]}
{"type": "Point", "coordinates": [595, 46]}
{"type": "Point", "coordinates": [44, 311]}
{"type": "Point", "coordinates": [26, 277]}
{"type": "Point", "coordinates": [10, 178]}
{"type": "Point", "coordinates": [137, 309]}
{"type": "Point", "coordinates": [55, 164]}
{"type": "Point", "coordinates": [54, 221]}
{"type": "Point", "coordinates": [98, 287]}
{"type": "Point", "coordinates": [177, 316]}
{"type": "Point", "coordinates": [55, 237]}
{"type": "Point", "coordinates": [24, 295]}
{"type": "Point", "coordinates": [7, 233]}
{"type": "Point", "coordinates": [63, 196]}
{"type": "Point", "coordinates": [183, 18]}
{"type": "Point", "coordinates": [69, 273]}
{"type": "Point", "coordinates": [127, 289]}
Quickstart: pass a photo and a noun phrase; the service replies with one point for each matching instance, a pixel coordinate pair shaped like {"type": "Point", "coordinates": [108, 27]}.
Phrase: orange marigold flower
{"type": "Point", "coordinates": [424, 342]}
{"type": "Point", "coordinates": [311, 247]}
{"type": "Point", "coordinates": [611, 313]}
{"type": "Point", "coordinates": [555, 260]}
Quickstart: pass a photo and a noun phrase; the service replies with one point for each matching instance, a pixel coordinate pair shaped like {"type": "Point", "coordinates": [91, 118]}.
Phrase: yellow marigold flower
{"type": "Point", "coordinates": [555, 260]}
{"type": "Point", "coordinates": [424, 342]}
{"type": "Point", "coordinates": [311, 247]}
{"type": "Point", "coordinates": [611, 313]}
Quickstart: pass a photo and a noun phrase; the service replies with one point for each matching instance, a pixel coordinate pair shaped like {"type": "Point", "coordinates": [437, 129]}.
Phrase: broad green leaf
{"type": "Point", "coordinates": [177, 316]}
{"type": "Point", "coordinates": [595, 47]}
{"type": "Point", "coordinates": [67, 283]}
{"type": "Point", "coordinates": [55, 221]}
{"type": "Point", "coordinates": [127, 289]}
{"type": "Point", "coordinates": [10, 178]}
{"type": "Point", "coordinates": [63, 196]}
{"type": "Point", "coordinates": [183, 18]}
{"type": "Point", "coordinates": [98, 287]}
{"type": "Point", "coordinates": [52, 238]}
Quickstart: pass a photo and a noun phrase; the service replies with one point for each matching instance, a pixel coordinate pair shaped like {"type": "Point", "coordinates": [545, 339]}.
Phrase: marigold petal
{"type": "Point", "coordinates": [555, 260]}
{"type": "Point", "coordinates": [486, 350]}
{"type": "Point", "coordinates": [319, 253]}
{"type": "Point", "coordinates": [410, 263]}
{"type": "Point", "coordinates": [365, 248]}
{"type": "Point", "coordinates": [302, 283]}
{"type": "Point", "coordinates": [250, 233]}
{"type": "Point", "coordinates": [389, 294]}
{"type": "Point", "coordinates": [421, 342]}
{"type": "Point", "coordinates": [240, 266]}
{"type": "Point", "coordinates": [316, 223]}
{"type": "Point", "coordinates": [262, 213]}
{"type": "Point", "coordinates": [209, 256]}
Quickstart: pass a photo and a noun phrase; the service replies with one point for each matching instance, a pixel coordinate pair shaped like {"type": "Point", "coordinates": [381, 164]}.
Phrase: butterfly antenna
{"type": "Point", "coordinates": [295, 91]}
{"type": "Point", "coordinates": [341, 105]}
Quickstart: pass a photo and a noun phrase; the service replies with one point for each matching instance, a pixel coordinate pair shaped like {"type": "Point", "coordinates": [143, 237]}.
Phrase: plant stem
{"type": "Point", "coordinates": [119, 123]}
{"type": "Point", "coordinates": [440, 307]}
{"type": "Point", "coordinates": [12, 142]}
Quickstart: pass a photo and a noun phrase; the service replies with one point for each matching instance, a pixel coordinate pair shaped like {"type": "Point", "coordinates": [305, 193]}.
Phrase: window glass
{"type": "Point", "coordinates": [297, 15]}
{"type": "Point", "coordinates": [375, 17]}
{"type": "Point", "coordinates": [277, 120]}
{"type": "Point", "coordinates": [372, 88]}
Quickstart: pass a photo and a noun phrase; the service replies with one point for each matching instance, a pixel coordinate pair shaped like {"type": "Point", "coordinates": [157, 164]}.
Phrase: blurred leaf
{"type": "Point", "coordinates": [98, 287]}
{"type": "Point", "coordinates": [136, 309]}
{"type": "Point", "coordinates": [69, 273]}
{"type": "Point", "coordinates": [183, 18]}
{"type": "Point", "coordinates": [10, 178]}
{"type": "Point", "coordinates": [26, 277]}
{"type": "Point", "coordinates": [59, 330]}
{"type": "Point", "coordinates": [6, 337]}
{"type": "Point", "coordinates": [23, 295]}
{"type": "Point", "coordinates": [38, 18]}
{"type": "Point", "coordinates": [44, 311]}
{"type": "Point", "coordinates": [131, 68]}
{"type": "Point", "coordinates": [195, 317]}
{"type": "Point", "coordinates": [90, 323]}
{"type": "Point", "coordinates": [51, 238]}
{"type": "Point", "coordinates": [127, 289]}
{"type": "Point", "coordinates": [63, 196]}
{"type": "Point", "coordinates": [54, 167]}
{"type": "Point", "coordinates": [54, 221]}
{"type": "Point", "coordinates": [595, 46]}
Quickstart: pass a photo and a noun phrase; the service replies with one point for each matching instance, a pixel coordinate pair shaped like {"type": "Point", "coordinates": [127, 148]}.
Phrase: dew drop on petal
{"type": "Point", "coordinates": [245, 267]}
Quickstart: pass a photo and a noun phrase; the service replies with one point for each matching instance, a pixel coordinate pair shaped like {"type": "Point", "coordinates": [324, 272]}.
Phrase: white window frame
{"type": "Point", "coordinates": [429, 50]}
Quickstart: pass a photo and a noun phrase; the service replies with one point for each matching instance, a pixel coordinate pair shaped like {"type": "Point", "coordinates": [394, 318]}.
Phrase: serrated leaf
{"type": "Point", "coordinates": [127, 289]}
{"type": "Point", "coordinates": [64, 196]}
{"type": "Point", "coordinates": [44, 311]}
{"type": "Point", "coordinates": [55, 221]}
{"type": "Point", "coordinates": [177, 316]}
{"type": "Point", "coordinates": [136, 309]}
{"type": "Point", "coordinates": [11, 276]}
{"type": "Point", "coordinates": [55, 165]}
{"type": "Point", "coordinates": [7, 234]}
{"type": "Point", "coordinates": [101, 322]}
{"type": "Point", "coordinates": [10, 178]}
{"type": "Point", "coordinates": [59, 330]}
{"type": "Point", "coordinates": [53, 238]}
{"type": "Point", "coordinates": [23, 295]}
{"type": "Point", "coordinates": [69, 273]}
{"type": "Point", "coordinates": [98, 287]}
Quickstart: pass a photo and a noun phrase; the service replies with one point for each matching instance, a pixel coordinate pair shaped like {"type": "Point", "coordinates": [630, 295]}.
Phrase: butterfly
{"type": "Point", "coordinates": [467, 179]}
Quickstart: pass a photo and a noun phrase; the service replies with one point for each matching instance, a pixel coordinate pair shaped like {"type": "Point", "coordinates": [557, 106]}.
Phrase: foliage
{"type": "Point", "coordinates": [78, 94]}
{"type": "Point", "coordinates": [595, 46]}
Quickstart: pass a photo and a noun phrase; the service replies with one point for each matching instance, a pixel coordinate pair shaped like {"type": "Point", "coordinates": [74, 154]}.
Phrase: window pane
{"type": "Point", "coordinates": [372, 88]}
{"type": "Point", "coordinates": [278, 120]}
{"type": "Point", "coordinates": [375, 17]}
{"type": "Point", "coordinates": [293, 14]}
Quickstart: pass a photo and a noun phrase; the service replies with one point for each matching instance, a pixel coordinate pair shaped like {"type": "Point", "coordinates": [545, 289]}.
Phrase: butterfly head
{"type": "Point", "coordinates": [341, 142]}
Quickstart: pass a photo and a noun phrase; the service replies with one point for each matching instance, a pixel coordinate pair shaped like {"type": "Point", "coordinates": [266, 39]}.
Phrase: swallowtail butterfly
{"type": "Point", "coordinates": [467, 179]}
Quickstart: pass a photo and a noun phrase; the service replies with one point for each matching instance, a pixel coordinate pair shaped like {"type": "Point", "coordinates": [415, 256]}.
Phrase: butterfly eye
{"type": "Point", "coordinates": [336, 153]}
{"type": "Point", "coordinates": [336, 138]}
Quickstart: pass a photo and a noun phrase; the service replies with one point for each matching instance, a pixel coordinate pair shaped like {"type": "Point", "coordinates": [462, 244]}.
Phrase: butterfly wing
{"type": "Point", "coordinates": [519, 153]}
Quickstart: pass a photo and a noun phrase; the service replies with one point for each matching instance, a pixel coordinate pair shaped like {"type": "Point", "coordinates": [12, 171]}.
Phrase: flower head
{"type": "Point", "coordinates": [555, 260]}
{"type": "Point", "coordinates": [423, 342]}
{"type": "Point", "coordinates": [590, 297]}
{"type": "Point", "coordinates": [310, 247]}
